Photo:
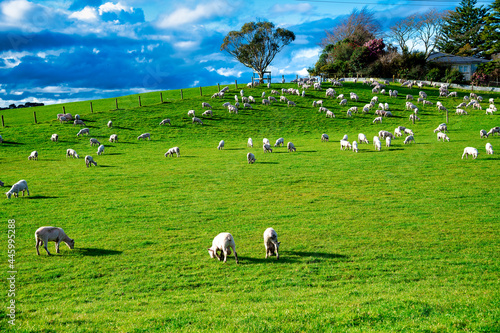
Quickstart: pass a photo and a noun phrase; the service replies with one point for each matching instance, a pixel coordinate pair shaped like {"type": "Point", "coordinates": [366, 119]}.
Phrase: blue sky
{"type": "Point", "coordinates": [57, 51]}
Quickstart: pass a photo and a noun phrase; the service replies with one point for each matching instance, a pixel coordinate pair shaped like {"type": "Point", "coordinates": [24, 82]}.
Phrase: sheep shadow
{"type": "Point", "coordinates": [307, 151]}
{"type": "Point", "coordinates": [107, 166]}
{"type": "Point", "coordinates": [234, 148]}
{"type": "Point", "coordinates": [318, 255]}
{"type": "Point", "coordinates": [124, 128]}
{"type": "Point", "coordinates": [12, 143]}
{"type": "Point", "coordinates": [41, 197]}
{"type": "Point", "coordinates": [268, 162]}
{"type": "Point", "coordinates": [93, 252]}
{"type": "Point", "coordinates": [114, 154]}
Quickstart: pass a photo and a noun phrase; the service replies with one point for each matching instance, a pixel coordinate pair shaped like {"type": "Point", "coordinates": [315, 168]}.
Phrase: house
{"type": "Point", "coordinates": [466, 65]}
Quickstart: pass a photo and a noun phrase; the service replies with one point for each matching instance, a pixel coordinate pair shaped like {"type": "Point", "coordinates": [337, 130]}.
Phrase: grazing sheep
{"type": "Point", "coordinates": [362, 138]}
{"type": "Point", "coordinates": [236, 98]}
{"type": "Point", "coordinates": [93, 141]}
{"type": "Point", "coordinates": [483, 134]}
{"type": "Point", "coordinates": [388, 141]}
{"type": "Point", "coordinates": [290, 147]}
{"type": "Point", "coordinates": [83, 131]}
{"type": "Point", "coordinates": [250, 158]}
{"type": "Point", "coordinates": [266, 102]}
{"type": "Point", "coordinates": [344, 144]}
{"type": "Point", "coordinates": [251, 99]}
{"type": "Point", "coordinates": [385, 134]}
{"type": "Point", "coordinates": [232, 109]}
{"type": "Point", "coordinates": [207, 113]}
{"type": "Point", "coordinates": [33, 155]}
{"type": "Point", "coordinates": [54, 138]}
{"type": "Point", "coordinates": [470, 151]}
{"type": "Point", "coordinates": [377, 120]}
{"type": "Point", "coordinates": [78, 122]}
{"type": "Point", "coordinates": [355, 146]}
{"type": "Point", "coordinates": [191, 113]}
{"type": "Point", "coordinates": [441, 128]}
{"type": "Point", "coordinates": [110, 124]}
{"type": "Point", "coordinates": [89, 161]}
{"type": "Point", "coordinates": [21, 185]}
{"type": "Point", "coordinates": [397, 131]}
{"type": "Point", "coordinates": [409, 139]}
{"type": "Point", "coordinates": [172, 151]}
{"type": "Point", "coordinates": [330, 114]}
{"type": "Point", "coordinates": [494, 130]}
{"type": "Point", "coordinates": [414, 117]}
{"type": "Point", "coordinates": [43, 235]}
{"type": "Point", "coordinates": [376, 143]}
{"type": "Point", "coordinates": [223, 242]}
{"type": "Point", "coordinates": [113, 138]}
{"type": "Point", "coordinates": [267, 148]}
{"type": "Point", "coordinates": [68, 116]}
{"type": "Point", "coordinates": [100, 150]}
{"type": "Point", "coordinates": [165, 121]}
{"type": "Point", "coordinates": [280, 142]}
{"type": "Point", "coordinates": [324, 137]}
{"type": "Point", "coordinates": [71, 153]}
{"type": "Point", "coordinates": [205, 105]}
{"type": "Point", "coordinates": [290, 103]}
{"type": "Point", "coordinates": [408, 131]}
{"type": "Point", "coordinates": [265, 141]}
{"type": "Point", "coordinates": [221, 145]}
{"type": "Point", "coordinates": [343, 102]}
{"type": "Point", "coordinates": [197, 120]}
{"type": "Point", "coordinates": [247, 106]}
{"type": "Point", "coordinates": [271, 243]}
{"type": "Point", "coordinates": [461, 112]}
{"type": "Point", "coordinates": [409, 97]}
{"type": "Point", "coordinates": [489, 149]}
{"type": "Point", "coordinates": [250, 142]}
{"type": "Point", "coordinates": [63, 119]}
{"type": "Point", "coordinates": [443, 136]}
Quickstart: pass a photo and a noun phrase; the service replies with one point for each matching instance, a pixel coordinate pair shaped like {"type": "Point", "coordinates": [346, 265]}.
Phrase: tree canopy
{"type": "Point", "coordinates": [491, 32]}
{"type": "Point", "coordinates": [256, 44]}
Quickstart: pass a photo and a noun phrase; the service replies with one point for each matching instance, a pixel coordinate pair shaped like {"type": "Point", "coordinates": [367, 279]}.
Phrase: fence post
{"type": "Point", "coordinates": [218, 87]}
{"type": "Point", "coordinates": [140, 100]}
{"type": "Point", "coordinates": [201, 93]}
{"type": "Point", "coordinates": [182, 97]}
{"type": "Point", "coordinates": [3, 124]}
{"type": "Point", "coordinates": [91, 108]}
{"type": "Point", "coordinates": [34, 115]}
{"type": "Point", "coordinates": [446, 116]}
{"type": "Point", "coordinates": [116, 103]}
{"type": "Point", "coordinates": [236, 84]}
{"type": "Point", "coordinates": [161, 97]}
{"type": "Point", "coordinates": [64, 109]}
{"type": "Point", "coordinates": [252, 82]}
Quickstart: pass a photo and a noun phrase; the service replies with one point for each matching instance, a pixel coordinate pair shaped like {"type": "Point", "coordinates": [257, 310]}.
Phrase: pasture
{"type": "Point", "coordinates": [406, 239]}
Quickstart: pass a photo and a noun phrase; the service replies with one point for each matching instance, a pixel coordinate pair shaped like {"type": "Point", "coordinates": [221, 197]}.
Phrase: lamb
{"type": "Point", "coordinates": [247, 106]}
{"type": "Point", "coordinates": [344, 144]}
{"type": "Point", "coordinates": [250, 158]}
{"type": "Point", "coordinates": [470, 151]}
{"type": "Point", "coordinates": [110, 124]}
{"type": "Point", "coordinates": [330, 114]}
{"type": "Point", "coordinates": [324, 137]}
{"type": "Point", "coordinates": [271, 99]}
{"type": "Point", "coordinates": [385, 134]}
{"type": "Point", "coordinates": [172, 151]}
{"type": "Point", "coordinates": [100, 150]}
{"type": "Point", "coordinates": [197, 120]}
{"type": "Point", "coordinates": [290, 103]}
{"type": "Point", "coordinates": [414, 117]}
{"type": "Point", "coordinates": [489, 149]}
{"type": "Point", "coordinates": [376, 143]}
{"type": "Point", "coordinates": [68, 116]}
{"type": "Point", "coordinates": [348, 113]}
{"type": "Point", "coordinates": [93, 141]}
{"type": "Point", "coordinates": [205, 105]}
{"type": "Point", "coordinates": [362, 138]}
{"type": "Point", "coordinates": [408, 131]}
{"type": "Point", "coordinates": [207, 113]}
{"type": "Point", "coordinates": [388, 141]}
{"type": "Point", "coordinates": [54, 138]}
{"type": "Point", "coordinates": [494, 130]}
{"type": "Point", "coordinates": [21, 185]}
{"type": "Point", "coordinates": [221, 145]}
{"type": "Point", "coordinates": [279, 142]}
{"type": "Point", "coordinates": [266, 102]}
{"type": "Point", "coordinates": [267, 148]}
{"type": "Point", "coordinates": [343, 102]}
{"type": "Point", "coordinates": [271, 243]}
{"type": "Point", "coordinates": [250, 142]}
{"type": "Point", "coordinates": [33, 155]}
{"type": "Point", "coordinates": [251, 99]}
{"type": "Point", "coordinates": [353, 109]}
{"type": "Point", "coordinates": [443, 136]}
{"type": "Point", "coordinates": [223, 242]}
{"type": "Point", "coordinates": [83, 131]}
{"type": "Point", "coordinates": [441, 128]}
{"type": "Point", "coordinates": [341, 96]}
{"type": "Point", "coordinates": [43, 235]}
{"type": "Point", "coordinates": [409, 97]}
{"type": "Point", "coordinates": [191, 113]}
{"type": "Point", "coordinates": [409, 139]}
{"type": "Point", "coordinates": [71, 153]}
{"type": "Point", "coordinates": [236, 98]}
{"type": "Point", "coordinates": [461, 112]}
{"type": "Point", "coordinates": [483, 134]}
{"type": "Point", "coordinates": [78, 122]}
{"type": "Point", "coordinates": [377, 120]}
{"type": "Point", "coordinates": [290, 147]}
{"type": "Point", "coordinates": [355, 146]}
{"type": "Point", "coordinates": [63, 119]}
{"type": "Point", "coordinates": [113, 138]}
{"type": "Point", "coordinates": [89, 161]}
{"type": "Point", "coordinates": [165, 121]}
{"type": "Point", "coordinates": [397, 131]}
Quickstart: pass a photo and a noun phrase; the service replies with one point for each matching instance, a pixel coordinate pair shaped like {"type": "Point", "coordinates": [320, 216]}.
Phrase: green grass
{"type": "Point", "coordinates": [401, 240]}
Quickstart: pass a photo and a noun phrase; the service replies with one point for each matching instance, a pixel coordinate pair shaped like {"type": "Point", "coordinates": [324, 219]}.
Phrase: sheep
{"type": "Point", "coordinates": [83, 131]}
{"type": "Point", "coordinates": [93, 141]}
{"type": "Point", "coordinates": [266, 102]}
{"type": "Point", "coordinates": [110, 124]}
{"type": "Point", "coordinates": [247, 106]}
{"type": "Point", "coordinates": [197, 120]}
{"type": "Point", "coordinates": [343, 102]}
{"type": "Point", "coordinates": [1, 183]}
{"type": "Point", "coordinates": [21, 185]}
{"type": "Point", "coordinates": [191, 113]}
{"type": "Point", "coordinates": [165, 121]}
{"type": "Point", "coordinates": [353, 109]}
{"type": "Point", "coordinates": [443, 136]}
{"type": "Point", "coordinates": [409, 139]}
{"type": "Point", "coordinates": [441, 128]}
{"type": "Point", "coordinates": [470, 151]}
{"type": "Point", "coordinates": [408, 131]}
{"type": "Point", "coordinates": [324, 137]}
{"type": "Point", "coordinates": [113, 138]}
{"type": "Point", "coordinates": [172, 151]}
{"type": "Point", "coordinates": [279, 142]}
{"type": "Point", "coordinates": [250, 142]}
{"type": "Point", "coordinates": [385, 134]}
{"type": "Point", "coordinates": [63, 119]}
{"type": "Point", "coordinates": [494, 130]}
{"type": "Point", "coordinates": [244, 99]}
{"type": "Point", "coordinates": [236, 98]}
{"type": "Point", "coordinates": [250, 158]}
{"type": "Point", "coordinates": [33, 155]}
{"type": "Point", "coordinates": [100, 150]}
{"type": "Point", "coordinates": [490, 111]}
{"type": "Point", "coordinates": [355, 146]}
{"type": "Point", "coordinates": [388, 141]}
{"type": "Point", "coordinates": [221, 145]}
{"type": "Point", "coordinates": [265, 141]}
{"type": "Point", "coordinates": [205, 105]}
{"type": "Point", "coordinates": [409, 97]}
{"type": "Point", "coordinates": [77, 117]}
{"type": "Point", "coordinates": [290, 103]}
{"type": "Point", "coordinates": [461, 112]}
{"type": "Point", "coordinates": [242, 93]}
{"type": "Point", "coordinates": [353, 96]}
{"type": "Point", "coordinates": [89, 161]}
{"type": "Point", "coordinates": [267, 148]}
{"type": "Point", "coordinates": [271, 243]}
{"type": "Point", "coordinates": [43, 235]}
{"type": "Point", "coordinates": [377, 120]}
{"type": "Point", "coordinates": [362, 138]}
{"type": "Point", "coordinates": [344, 144]}
{"type": "Point", "coordinates": [330, 114]}
{"type": "Point", "coordinates": [223, 242]}
{"type": "Point", "coordinates": [68, 116]}
{"type": "Point", "coordinates": [397, 132]}
{"type": "Point", "coordinates": [374, 99]}
{"type": "Point", "coordinates": [376, 143]}
{"type": "Point", "coordinates": [489, 149]}
{"type": "Point", "coordinates": [71, 153]}
{"type": "Point", "coordinates": [54, 138]}
{"type": "Point", "coordinates": [483, 134]}
{"type": "Point", "coordinates": [78, 122]}
{"type": "Point", "coordinates": [251, 99]}
{"type": "Point", "coordinates": [207, 113]}
{"type": "Point", "coordinates": [290, 147]}
{"type": "Point", "coordinates": [414, 117]}
{"type": "Point", "coordinates": [272, 99]}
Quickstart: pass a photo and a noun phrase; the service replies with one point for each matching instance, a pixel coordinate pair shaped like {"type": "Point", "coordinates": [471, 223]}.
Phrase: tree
{"type": "Point", "coordinates": [428, 30]}
{"type": "Point", "coordinates": [491, 33]}
{"type": "Point", "coordinates": [404, 32]}
{"type": "Point", "coordinates": [461, 27]}
{"type": "Point", "coordinates": [256, 44]}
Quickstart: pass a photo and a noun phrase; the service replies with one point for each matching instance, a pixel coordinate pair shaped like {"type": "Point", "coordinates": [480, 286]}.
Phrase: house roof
{"type": "Point", "coordinates": [453, 59]}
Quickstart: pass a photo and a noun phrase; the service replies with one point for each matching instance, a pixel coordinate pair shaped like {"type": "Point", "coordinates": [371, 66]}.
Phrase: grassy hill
{"type": "Point", "coordinates": [405, 239]}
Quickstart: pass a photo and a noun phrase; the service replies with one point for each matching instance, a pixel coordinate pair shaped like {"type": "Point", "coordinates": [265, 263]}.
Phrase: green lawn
{"type": "Point", "coordinates": [402, 240]}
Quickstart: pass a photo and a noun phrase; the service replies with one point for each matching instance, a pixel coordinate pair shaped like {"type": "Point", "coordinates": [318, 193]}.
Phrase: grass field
{"type": "Point", "coordinates": [402, 240]}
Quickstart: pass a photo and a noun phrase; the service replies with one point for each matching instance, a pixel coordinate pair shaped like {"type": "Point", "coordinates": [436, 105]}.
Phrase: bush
{"type": "Point", "coordinates": [433, 75]}
{"type": "Point", "coordinates": [453, 75]}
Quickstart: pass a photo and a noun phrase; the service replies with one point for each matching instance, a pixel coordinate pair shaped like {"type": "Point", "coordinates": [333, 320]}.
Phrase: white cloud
{"type": "Point", "coordinates": [187, 45]}
{"type": "Point", "coordinates": [302, 72]}
{"type": "Point", "coordinates": [183, 15]}
{"type": "Point", "coordinates": [96, 51]}
{"type": "Point", "coordinates": [114, 8]}
{"type": "Point", "coordinates": [292, 8]}
{"type": "Point", "coordinates": [306, 53]}
{"type": "Point", "coordinates": [16, 10]}
{"type": "Point", "coordinates": [87, 14]}
{"type": "Point", "coordinates": [229, 72]}
{"type": "Point", "coordinates": [195, 83]}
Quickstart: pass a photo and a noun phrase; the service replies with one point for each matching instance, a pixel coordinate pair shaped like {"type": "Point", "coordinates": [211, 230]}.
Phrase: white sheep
{"type": "Point", "coordinates": [191, 113]}
{"type": "Point", "coordinates": [441, 128]}
{"type": "Point", "coordinates": [20, 186]}
{"type": "Point", "coordinates": [489, 149]}
{"type": "Point", "coordinates": [250, 142]}
{"type": "Point", "coordinates": [408, 131]}
{"type": "Point", "coordinates": [442, 136]}
{"type": "Point", "coordinates": [221, 145]}
{"type": "Point", "coordinates": [172, 151]}
{"type": "Point", "coordinates": [71, 153]}
{"type": "Point", "coordinates": [376, 143]}
{"type": "Point", "coordinates": [362, 138]}
{"type": "Point", "coordinates": [110, 124]}
{"type": "Point", "coordinates": [267, 148]}
{"type": "Point", "coordinates": [271, 243]}
{"type": "Point", "coordinates": [83, 131]}
{"type": "Point", "coordinates": [100, 150]}
{"type": "Point", "coordinates": [54, 138]}
{"type": "Point", "coordinates": [89, 161]}
{"type": "Point", "coordinates": [414, 117]}
{"type": "Point", "coordinates": [223, 242]}
{"type": "Point", "coordinates": [207, 113]}
{"type": "Point", "coordinates": [266, 102]}
{"type": "Point", "coordinates": [165, 121]}
{"type": "Point", "coordinates": [388, 141]}
{"type": "Point", "coordinates": [324, 137]}
{"type": "Point", "coordinates": [94, 141]}
{"type": "Point", "coordinates": [483, 134]}
{"type": "Point", "coordinates": [290, 103]}
{"type": "Point", "coordinates": [250, 158]}
{"type": "Point", "coordinates": [409, 139]}
{"type": "Point", "coordinates": [43, 235]}
{"type": "Point", "coordinates": [494, 130]}
{"type": "Point", "coordinates": [266, 141]}
{"type": "Point", "coordinates": [377, 120]}
{"type": "Point", "coordinates": [78, 122]}
{"type": "Point", "coordinates": [113, 138]}
{"type": "Point", "coordinates": [461, 112]}
{"type": "Point", "coordinates": [280, 142]}
{"type": "Point", "coordinates": [343, 102]}
{"type": "Point", "coordinates": [470, 151]}
{"type": "Point", "coordinates": [197, 120]}
{"type": "Point", "coordinates": [247, 106]}
{"type": "Point", "coordinates": [205, 105]}
{"type": "Point", "coordinates": [290, 147]}
{"type": "Point", "coordinates": [330, 114]}
{"type": "Point", "coordinates": [344, 144]}
{"type": "Point", "coordinates": [355, 146]}
{"type": "Point", "coordinates": [63, 119]}
{"type": "Point", "coordinates": [33, 155]}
